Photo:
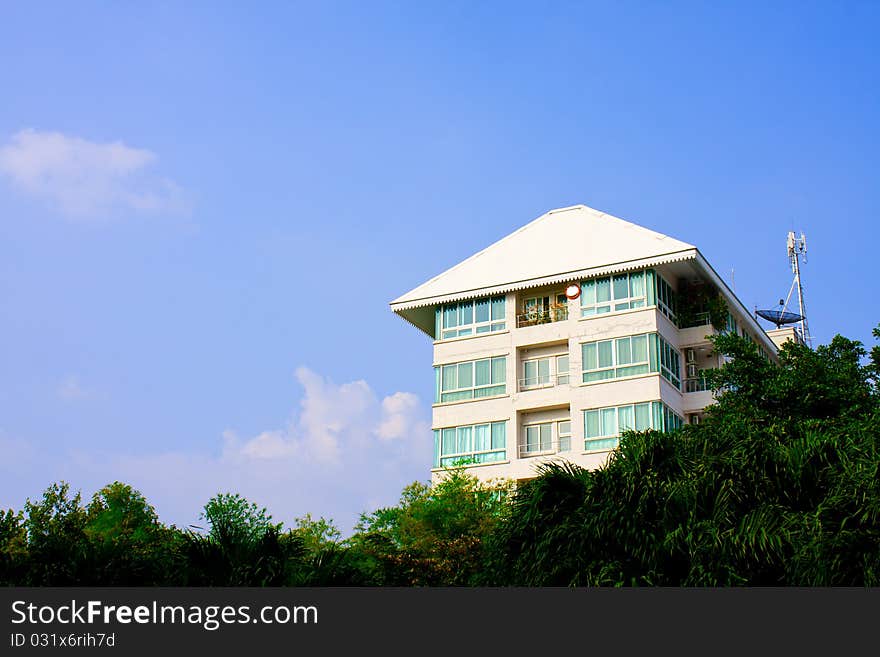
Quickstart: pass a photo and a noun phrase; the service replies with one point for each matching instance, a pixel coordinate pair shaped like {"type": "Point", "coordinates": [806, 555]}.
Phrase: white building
{"type": "Point", "coordinates": [550, 342]}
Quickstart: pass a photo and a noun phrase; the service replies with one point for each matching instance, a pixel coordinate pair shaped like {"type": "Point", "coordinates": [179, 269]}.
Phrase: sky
{"type": "Point", "coordinates": [205, 209]}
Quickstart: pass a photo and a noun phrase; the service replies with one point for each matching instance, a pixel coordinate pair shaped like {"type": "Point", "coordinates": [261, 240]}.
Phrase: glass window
{"type": "Point", "coordinates": [464, 439]}
{"type": "Point", "coordinates": [481, 313]}
{"type": "Point", "coordinates": [537, 439]}
{"type": "Point", "coordinates": [563, 430]}
{"type": "Point", "coordinates": [643, 416]}
{"type": "Point", "coordinates": [499, 369]}
{"type": "Point", "coordinates": [482, 440]}
{"type": "Point", "coordinates": [465, 318]}
{"type": "Point", "coordinates": [639, 348]}
{"type": "Point", "coordinates": [562, 370]}
{"type": "Point", "coordinates": [610, 359]}
{"type": "Point", "coordinates": [450, 378]}
{"type": "Point", "coordinates": [499, 430]}
{"type": "Point", "coordinates": [602, 426]}
{"type": "Point", "coordinates": [472, 379]}
{"type": "Point", "coordinates": [465, 314]}
{"type": "Point", "coordinates": [670, 361]}
{"type": "Point", "coordinates": [613, 293]}
{"type": "Point", "coordinates": [624, 351]}
{"type": "Point", "coordinates": [497, 309]}
{"type": "Point", "coordinates": [481, 443]}
{"type": "Point", "coordinates": [450, 317]}
{"type": "Point", "coordinates": [591, 358]}
{"type": "Point", "coordinates": [621, 286]}
{"type": "Point", "coordinates": [625, 418]}
{"type": "Point", "coordinates": [665, 298]}
{"type": "Point", "coordinates": [449, 445]}
{"type": "Point", "coordinates": [606, 354]}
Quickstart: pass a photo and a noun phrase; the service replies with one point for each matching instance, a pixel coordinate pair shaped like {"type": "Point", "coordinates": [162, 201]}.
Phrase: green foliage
{"type": "Point", "coordinates": [57, 542]}
{"type": "Point", "coordinates": [435, 535]}
{"type": "Point", "coordinates": [13, 547]}
{"type": "Point", "coordinates": [316, 534]}
{"type": "Point", "coordinates": [243, 547]}
{"type": "Point", "coordinates": [778, 486]}
{"type": "Point", "coordinates": [230, 512]}
{"type": "Point", "coordinates": [128, 544]}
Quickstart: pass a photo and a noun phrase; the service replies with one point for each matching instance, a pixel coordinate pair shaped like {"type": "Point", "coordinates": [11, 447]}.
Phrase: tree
{"type": "Point", "coordinates": [57, 543]}
{"type": "Point", "coordinates": [435, 535]}
{"type": "Point", "coordinates": [13, 548]}
{"type": "Point", "coordinates": [780, 485]}
{"type": "Point", "coordinates": [128, 544]}
{"type": "Point", "coordinates": [231, 511]}
{"type": "Point", "coordinates": [243, 547]}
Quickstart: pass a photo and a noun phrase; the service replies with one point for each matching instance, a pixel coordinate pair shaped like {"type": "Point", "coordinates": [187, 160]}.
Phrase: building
{"type": "Point", "coordinates": [550, 342]}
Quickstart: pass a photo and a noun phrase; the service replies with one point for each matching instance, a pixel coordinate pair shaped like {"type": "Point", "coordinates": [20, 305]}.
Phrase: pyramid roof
{"type": "Point", "coordinates": [562, 245]}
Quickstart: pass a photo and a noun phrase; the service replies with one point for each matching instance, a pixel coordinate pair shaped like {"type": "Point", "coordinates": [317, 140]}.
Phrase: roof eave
{"type": "Point", "coordinates": [399, 305]}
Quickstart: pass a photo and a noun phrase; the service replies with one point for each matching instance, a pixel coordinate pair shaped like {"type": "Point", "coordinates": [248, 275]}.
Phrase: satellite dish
{"type": "Point", "coordinates": [779, 317]}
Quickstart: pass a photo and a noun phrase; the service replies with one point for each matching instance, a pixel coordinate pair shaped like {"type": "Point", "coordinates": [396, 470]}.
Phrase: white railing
{"type": "Point", "coordinates": [555, 447]}
{"type": "Point", "coordinates": [538, 382]}
{"type": "Point", "coordinates": [542, 316]}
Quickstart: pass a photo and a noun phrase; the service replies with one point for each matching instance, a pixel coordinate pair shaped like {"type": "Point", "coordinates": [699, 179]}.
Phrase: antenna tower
{"type": "Point", "coordinates": [797, 251]}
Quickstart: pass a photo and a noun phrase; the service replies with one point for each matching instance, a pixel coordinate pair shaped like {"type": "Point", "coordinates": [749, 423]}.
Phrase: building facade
{"type": "Point", "coordinates": [555, 339]}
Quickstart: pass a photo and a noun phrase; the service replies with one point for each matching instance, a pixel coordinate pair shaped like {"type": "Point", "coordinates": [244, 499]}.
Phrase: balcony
{"type": "Point", "coordinates": [543, 381]}
{"type": "Point", "coordinates": [696, 385]}
{"type": "Point", "coordinates": [528, 449]}
{"type": "Point", "coordinates": [698, 319]}
{"type": "Point", "coordinates": [535, 316]}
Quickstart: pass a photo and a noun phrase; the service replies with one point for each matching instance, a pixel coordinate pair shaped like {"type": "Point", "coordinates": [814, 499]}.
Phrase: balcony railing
{"type": "Point", "coordinates": [542, 316]}
{"type": "Point", "coordinates": [696, 385]}
{"type": "Point", "coordinates": [547, 381]}
{"type": "Point", "coordinates": [699, 319]}
{"type": "Point", "coordinates": [527, 450]}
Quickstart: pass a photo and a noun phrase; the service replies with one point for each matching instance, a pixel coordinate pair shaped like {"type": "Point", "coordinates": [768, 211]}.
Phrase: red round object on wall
{"type": "Point", "coordinates": [573, 291]}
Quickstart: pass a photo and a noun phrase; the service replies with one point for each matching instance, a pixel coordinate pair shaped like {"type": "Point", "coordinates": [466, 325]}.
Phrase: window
{"type": "Point", "coordinates": [613, 293]}
{"type": "Point", "coordinates": [544, 309]}
{"type": "Point", "coordinates": [563, 432]}
{"type": "Point", "coordinates": [470, 380]}
{"type": "Point", "coordinates": [538, 438]}
{"type": "Point", "coordinates": [540, 372]}
{"type": "Point", "coordinates": [630, 356]}
{"type": "Point", "coordinates": [536, 373]}
{"type": "Point", "coordinates": [610, 359]}
{"type": "Point", "coordinates": [562, 370]}
{"type": "Point", "coordinates": [545, 438]}
{"type": "Point", "coordinates": [638, 289]}
{"type": "Point", "coordinates": [665, 298]}
{"type": "Point", "coordinates": [479, 443]}
{"type": "Point", "coordinates": [671, 420]}
{"type": "Point", "coordinates": [485, 315]}
{"type": "Point", "coordinates": [670, 362]}
{"type": "Point", "coordinates": [603, 426]}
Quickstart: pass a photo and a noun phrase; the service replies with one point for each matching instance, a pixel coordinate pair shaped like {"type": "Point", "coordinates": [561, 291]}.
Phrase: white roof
{"type": "Point", "coordinates": [561, 245]}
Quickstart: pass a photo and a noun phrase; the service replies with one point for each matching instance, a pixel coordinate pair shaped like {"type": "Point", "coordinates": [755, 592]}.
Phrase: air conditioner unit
{"type": "Point", "coordinates": [692, 370]}
{"type": "Point", "coordinates": [691, 355]}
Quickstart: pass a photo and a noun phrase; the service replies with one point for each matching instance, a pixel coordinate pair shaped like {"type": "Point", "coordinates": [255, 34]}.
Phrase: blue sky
{"type": "Point", "coordinates": [205, 209]}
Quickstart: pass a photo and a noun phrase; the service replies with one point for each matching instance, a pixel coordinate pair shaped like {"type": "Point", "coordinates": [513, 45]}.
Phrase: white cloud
{"type": "Point", "coordinates": [400, 415]}
{"type": "Point", "coordinates": [342, 452]}
{"type": "Point", "coordinates": [84, 179]}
